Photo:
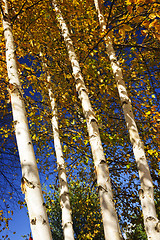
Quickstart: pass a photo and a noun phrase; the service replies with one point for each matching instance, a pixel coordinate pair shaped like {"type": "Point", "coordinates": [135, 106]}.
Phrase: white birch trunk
{"type": "Point", "coordinates": [151, 222]}
{"type": "Point", "coordinates": [67, 223]}
{"type": "Point", "coordinates": [110, 220]}
{"type": "Point", "coordinates": [30, 182]}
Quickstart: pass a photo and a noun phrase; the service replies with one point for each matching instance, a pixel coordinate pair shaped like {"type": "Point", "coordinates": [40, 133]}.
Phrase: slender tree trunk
{"type": "Point", "coordinates": [146, 193]}
{"type": "Point", "coordinates": [67, 223]}
{"type": "Point", "coordinates": [110, 220]}
{"type": "Point", "coordinates": [30, 182]}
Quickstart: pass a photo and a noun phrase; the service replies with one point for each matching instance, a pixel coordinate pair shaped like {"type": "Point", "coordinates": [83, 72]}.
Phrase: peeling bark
{"type": "Point", "coordinates": [110, 221]}
{"type": "Point", "coordinates": [146, 192]}
{"type": "Point", "coordinates": [30, 177]}
{"type": "Point", "coordinates": [67, 223]}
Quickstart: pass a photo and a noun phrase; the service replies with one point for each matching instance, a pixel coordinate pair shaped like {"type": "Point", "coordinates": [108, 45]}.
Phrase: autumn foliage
{"type": "Point", "coordinates": [134, 29]}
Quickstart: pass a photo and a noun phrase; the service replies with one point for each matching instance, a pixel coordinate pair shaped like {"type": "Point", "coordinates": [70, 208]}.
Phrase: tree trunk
{"type": "Point", "coordinates": [110, 220]}
{"type": "Point", "coordinates": [146, 193]}
{"type": "Point", "coordinates": [67, 223]}
{"type": "Point", "coordinates": [30, 182]}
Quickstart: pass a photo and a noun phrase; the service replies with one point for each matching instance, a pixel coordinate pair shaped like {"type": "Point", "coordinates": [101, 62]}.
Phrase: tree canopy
{"type": "Point", "coordinates": [134, 27]}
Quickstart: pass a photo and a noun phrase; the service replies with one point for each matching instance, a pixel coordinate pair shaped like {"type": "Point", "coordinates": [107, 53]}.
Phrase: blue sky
{"type": "Point", "coordinates": [20, 221]}
{"type": "Point", "coordinates": [19, 224]}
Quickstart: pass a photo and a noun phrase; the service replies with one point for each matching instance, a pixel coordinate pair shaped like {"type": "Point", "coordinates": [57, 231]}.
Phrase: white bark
{"type": "Point", "coordinates": [30, 178]}
{"type": "Point", "coordinates": [67, 223]}
{"type": "Point", "coordinates": [110, 222]}
{"type": "Point", "coordinates": [151, 222]}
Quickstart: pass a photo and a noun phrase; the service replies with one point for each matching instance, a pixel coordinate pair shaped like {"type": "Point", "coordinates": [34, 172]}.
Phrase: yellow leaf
{"type": "Point", "coordinates": [137, 1]}
{"type": "Point", "coordinates": [153, 23]}
{"type": "Point", "coordinates": [148, 113]}
{"type": "Point", "coordinates": [144, 32]}
{"type": "Point", "coordinates": [157, 27]}
{"type": "Point", "coordinates": [129, 2]}
{"type": "Point", "coordinates": [127, 27]}
{"type": "Point", "coordinates": [152, 16]}
{"type": "Point", "coordinates": [34, 137]}
{"type": "Point", "coordinates": [146, 24]}
{"type": "Point", "coordinates": [122, 32]}
{"type": "Point", "coordinates": [158, 14]}
{"type": "Point", "coordinates": [156, 35]}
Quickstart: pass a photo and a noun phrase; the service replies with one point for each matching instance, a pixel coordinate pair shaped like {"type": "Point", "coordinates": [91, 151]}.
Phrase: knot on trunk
{"type": "Point", "coordinates": [33, 221]}
{"type": "Point", "coordinates": [150, 218]}
{"type": "Point", "coordinates": [90, 117]}
{"type": "Point", "coordinates": [158, 226]}
{"type": "Point", "coordinates": [101, 188]}
{"type": "Point", "coordinates": [25, 182]}
{"type": "Point", "coordinates": [140, 144]}
{"type": "Point", "coordinates": [141, 193]}
{"type": "Point", "coordinates": [65, 225]}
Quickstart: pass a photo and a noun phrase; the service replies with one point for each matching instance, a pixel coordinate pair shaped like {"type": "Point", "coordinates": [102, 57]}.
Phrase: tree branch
{"type": "Point", "coordinates": [139, 46]}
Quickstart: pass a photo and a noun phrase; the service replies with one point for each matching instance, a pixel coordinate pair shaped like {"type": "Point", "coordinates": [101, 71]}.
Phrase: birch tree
{"type": "Point", "coordinates": [146, 193]}
{"type": "Point", "coordinates": [110, 219]}
{"type": "Point", "coordinates": [30, 183]}
{"type": "Point", "coordinates": [67, 223]}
